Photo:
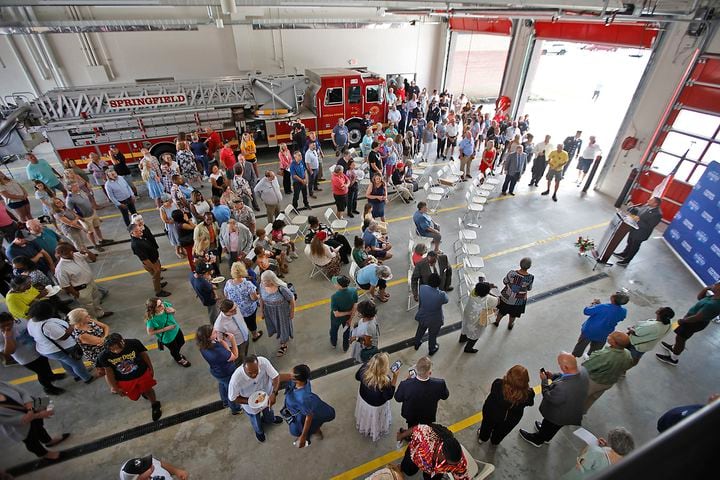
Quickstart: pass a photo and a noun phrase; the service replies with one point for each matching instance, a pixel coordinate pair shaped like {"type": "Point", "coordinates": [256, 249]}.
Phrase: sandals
{"type": "Point", "coordinates": [259, 335]}
{"type": "Point", "coordinates": [382, 298]}
{"type": "Point", "coordinates": [59, 440]}
{"type": "Point", "coordinates": [281, 351]}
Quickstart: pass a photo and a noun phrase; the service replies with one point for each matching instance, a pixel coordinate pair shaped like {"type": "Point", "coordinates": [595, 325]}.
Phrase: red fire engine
{"type": "Point", "coordinates": [79, 121]}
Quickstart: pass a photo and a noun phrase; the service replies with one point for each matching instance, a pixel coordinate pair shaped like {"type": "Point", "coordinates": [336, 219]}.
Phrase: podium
{"type": "Point", "coordinates": [619, 227]}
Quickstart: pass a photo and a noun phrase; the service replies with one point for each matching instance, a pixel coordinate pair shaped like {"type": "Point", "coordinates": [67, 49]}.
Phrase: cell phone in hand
{"type": "Point", "coordinates": [395, 366]}
{"type": "Point", "coordinates": [412, 372]}
{"type": "Point", "coordinates": [542, 370]}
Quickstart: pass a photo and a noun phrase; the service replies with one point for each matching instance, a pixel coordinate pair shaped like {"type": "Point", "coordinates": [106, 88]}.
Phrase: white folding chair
{"type": "Point", "coordinates": [411, 247]}
{"type": "Point", "coordinates": [337, 224]}
{"type": "Point", "coordinates": [294, 218]}
{"type": "Point", "coordinates": [416, 238]}
{"type": "Point", "coordinates": [315, 270]}
{"type": "Point", "coordinates": [464, 235]}
{"type": "Point", "coordinates": [473, 210]}
{"type": "Point", "coordinates": [353, 273]}
{"type": "Point", "coordinates": [392, 192]}
{"type": "Point", "coordinates": [411, 299]}
{"type": "Point", "coordinates": [436, 188]}
{"type": "Point", "coordinates": [448, 180]}
{"type": "Point", "coordinates": [476, 470]}
{"type": "Point", "coordinates": [432, 199]}
{"type": "Point", "coordinates": [292, 231]}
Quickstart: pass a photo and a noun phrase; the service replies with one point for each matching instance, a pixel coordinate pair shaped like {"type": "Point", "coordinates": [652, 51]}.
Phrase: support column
{"type": "Point", "coordinates": [523, 36]}
{"type": "Point", "coordinates": [655, 95]}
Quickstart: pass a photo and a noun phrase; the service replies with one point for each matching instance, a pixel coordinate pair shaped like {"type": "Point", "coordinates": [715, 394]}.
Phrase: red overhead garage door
{"type": "Point", "coordinates": [639, 35]}
{"type": "Point", "coordinates": [499, 26]}
{"type": "Point", "coordinates": [688, 140]}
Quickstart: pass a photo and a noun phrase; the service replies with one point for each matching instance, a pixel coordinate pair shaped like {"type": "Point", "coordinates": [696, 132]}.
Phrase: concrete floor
{"type": "Point", "coordinates": [513, 227]}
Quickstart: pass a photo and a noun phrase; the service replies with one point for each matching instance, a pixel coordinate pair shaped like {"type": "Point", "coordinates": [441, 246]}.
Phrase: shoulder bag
{"type": "Point", "coordinates": [75, 352]}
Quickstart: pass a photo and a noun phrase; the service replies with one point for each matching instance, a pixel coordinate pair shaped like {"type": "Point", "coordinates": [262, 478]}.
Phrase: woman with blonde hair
{"type": "Point", "coordinates": [244, 293]}
{"type": "Point", "coordinates": [285, 158]}
{"type": "Point", "coordinates": [277, 306]}
{"type": "Point", "coordinates": [505, 405]}
{"type": "Point", "coordinates": [366, 143]}
{"type": "Point", "coordinates": [248, 151]}
{"type": "Point", "coordinates": [89, 333]}
{"type": "Point", "coordinates": [16, 197]}
{"type": "Point", "coordinates": [377, 387]}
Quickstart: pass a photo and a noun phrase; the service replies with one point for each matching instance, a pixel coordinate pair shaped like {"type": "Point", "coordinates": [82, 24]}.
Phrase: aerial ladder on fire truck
{"type": "Point", "coordinates": [80, 116]}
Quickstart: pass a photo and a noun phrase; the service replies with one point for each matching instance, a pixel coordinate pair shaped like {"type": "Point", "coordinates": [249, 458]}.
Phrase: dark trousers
{"type": "Point", "coordinates": [42, 369]}
{"type": "Point", "coordinates": [408, 467]}
{"type": "Point", "coordinates": [251, 321]}
{"type": "Point", "coordinates": [175, 346]}
{"type": "Point", "coordinates": [36, 437]}
{"type": "Point", "coordinates": [538, 169]}
{"type": "Point", "coordinates": [352, 198]}
{"type": "Point", "coordinates": [287, 182]}
{"type": "Point", "coordinates": [495, 429]}
{"type": "Point", "coordinates": [510, 182]}
{"type": "Point", "coordinates": [125, 212]}
{"type": "Point", "coordinates": [582, 344]}
{"type": "Point", "coordinates": [335, 325]}
{"type": "Point", "coordinates": [547, 431]}
{"type": "Point", "coordinates": [342, 242]}
{"type": "Point", "coordinates": [441, 142]}
{"type": "Point", "coordinates": [432, 329]}
{"type": "Point", "coordinates": [632, 247]}
{"type": "Point", "coordinates": [299, 188]}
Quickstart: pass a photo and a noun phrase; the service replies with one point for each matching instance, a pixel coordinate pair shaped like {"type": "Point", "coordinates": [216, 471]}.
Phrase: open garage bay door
{"type": "Point", "coordinates": [689, 139]}
{"type": "Point", "coordinates": [640, 35]}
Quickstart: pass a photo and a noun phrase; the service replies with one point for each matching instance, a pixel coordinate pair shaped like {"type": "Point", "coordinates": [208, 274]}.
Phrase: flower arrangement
{"type": "Point", "coordinates": [584, 245]}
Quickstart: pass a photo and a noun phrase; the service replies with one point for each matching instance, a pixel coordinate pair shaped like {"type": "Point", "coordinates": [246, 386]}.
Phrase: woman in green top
{"type": "Point", "coordinates": [160, 321]}
{"type": "Point", "coordinates": [598, 457]}
{"type": "Point", "coordinates": [360, 254]}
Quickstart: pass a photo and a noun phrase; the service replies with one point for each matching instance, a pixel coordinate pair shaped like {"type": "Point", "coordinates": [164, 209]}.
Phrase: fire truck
{"type": "Point", "coordinates": [81, 120]}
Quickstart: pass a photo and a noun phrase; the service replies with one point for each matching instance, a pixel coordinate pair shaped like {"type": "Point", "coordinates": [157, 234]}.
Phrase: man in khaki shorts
{"type": "Point", "coordinates": [77, 279]}
{"type": "Point", "coordinates": [79, 203]}
{"type": "Point", "coordinates": [556, 161]}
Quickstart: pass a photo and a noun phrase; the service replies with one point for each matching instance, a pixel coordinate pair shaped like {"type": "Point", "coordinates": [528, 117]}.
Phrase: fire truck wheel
{"type": "Point", "coordinates": [355, 133]}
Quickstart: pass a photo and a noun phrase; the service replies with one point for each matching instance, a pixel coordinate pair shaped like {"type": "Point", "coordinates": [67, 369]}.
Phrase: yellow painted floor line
{"type": "Point", "coordinates": [326, 301]}
{"type": "Point", "coordinates": [381, 461]}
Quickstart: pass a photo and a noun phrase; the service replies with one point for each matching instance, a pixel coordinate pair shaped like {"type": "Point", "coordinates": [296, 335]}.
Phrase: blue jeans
{"type": "Point", "coordinates": [257, 419]}
{"type": "Point", "coordinates": [74, 367]}
{"type": "Point", "coordinates": [223, 390]}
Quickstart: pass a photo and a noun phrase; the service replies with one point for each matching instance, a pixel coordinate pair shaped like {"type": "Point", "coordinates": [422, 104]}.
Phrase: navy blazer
{"type": "Point", "coordinates": [420, 399]}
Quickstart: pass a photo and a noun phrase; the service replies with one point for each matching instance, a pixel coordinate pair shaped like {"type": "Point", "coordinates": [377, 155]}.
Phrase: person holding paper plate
{"type": "Point", "coordinates": [600, 456]}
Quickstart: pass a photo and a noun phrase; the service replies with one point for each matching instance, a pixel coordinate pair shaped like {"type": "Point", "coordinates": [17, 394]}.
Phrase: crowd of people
{"type": "Point", "coordinates": [42, 324]}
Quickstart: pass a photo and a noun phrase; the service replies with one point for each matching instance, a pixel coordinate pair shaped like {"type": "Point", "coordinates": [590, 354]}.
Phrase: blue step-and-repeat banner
{"type": "Point", "coordinates": [694, 233]}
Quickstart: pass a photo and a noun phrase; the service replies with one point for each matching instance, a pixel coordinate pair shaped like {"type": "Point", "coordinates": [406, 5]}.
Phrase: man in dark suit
{"type": "Point", "coordinates": [514, 167]}
{"type": "Point", "coordinates": [649, 216]}
{"type": "Point", "coordinates": [432, 263]}
{"type": "Point", "coordinates": [563, 400]}
{"type": "Point", "coordinates": [420, 394]}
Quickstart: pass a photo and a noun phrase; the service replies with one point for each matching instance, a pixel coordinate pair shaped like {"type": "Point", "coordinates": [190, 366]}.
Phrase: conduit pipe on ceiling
{"type": "Point", "coordinates": [33, 46]}
{"type": "Point", "coordinates": [103, 50]}
{"type": "Point", "coordinates": [47, 52]}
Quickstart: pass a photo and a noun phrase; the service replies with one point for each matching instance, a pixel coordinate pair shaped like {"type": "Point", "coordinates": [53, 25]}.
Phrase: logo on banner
{"type": "Point", "coordinates": [688, 224]}
{"type": "Point", "coordinates": [713, 176]}
{"type": "Point", "coordinates": [674, 234]}
{"type": "Point", "coordinates": [706, 216]}
{"type": "Point", "coordinates": [715, 249]}
{"type": "Point", "coordinates": [715, 275]}
{"type": "Point", "coordinates": [122, 103]}
{"type": "Point", "coordinates": [686, 246]}
{"type": "Point", "coordinates": [699, 259]}
{"type": "Point", "coordinates": [694, 206]}
{"type": "Point", "coordinates": [708, 194]}
{"type": "Point", "coordinates": [702, 236]}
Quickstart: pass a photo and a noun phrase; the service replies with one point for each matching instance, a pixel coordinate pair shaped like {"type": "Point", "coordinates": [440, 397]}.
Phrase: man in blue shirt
{"type": "Point", "coordinates": [603, 317]}
{"type": "Point", "coordinates": [425, 226]}
{"type": "Point", "coordinates": [467, 153]}
{"type": "Point", "coordinates": [121, 195]}
{"type": "Point", "coordinates": [298, 173]}
{"type": "Point", "coordinates": [340, 136]}
{"type": "Point", "coordinates": [221, 212]}
{"type": "Point", "coordinates": [430, 314]}
{"type": "Point", "coordinates": [39, 169]}
{"type": "Point", "coordinates": [200, 282]}
{"type": "Point", "coordinates": [378, 249]}
{"type": "Point", "coordinates": [23, 247]}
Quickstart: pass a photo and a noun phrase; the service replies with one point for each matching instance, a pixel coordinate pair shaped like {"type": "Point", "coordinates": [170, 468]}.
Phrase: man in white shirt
{"type": "Point", "coordinates": [312, 163]}
{"type": "Point", "coordinates": [542, 151]}
{"type": "Point", "coordinates": [451, 130]}
{"type": "Point", "coordinates": [76, 278]}
{"type": "Point", "coordinates": [268, 189]}
{"type": "Point", "coordinates": [592, 150]}
{"type": "Point", "coordinates": [256, 374]}
{"type": "Point", "coordinates": [394, 116]}
{"type": "Point", "coordinates": [230, 323]}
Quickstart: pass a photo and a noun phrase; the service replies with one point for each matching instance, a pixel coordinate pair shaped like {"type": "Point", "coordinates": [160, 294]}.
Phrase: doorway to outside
{"type": "Point", "coordinates": [477, 63]}
{"type": "Point", "coordinates": [578, 86]}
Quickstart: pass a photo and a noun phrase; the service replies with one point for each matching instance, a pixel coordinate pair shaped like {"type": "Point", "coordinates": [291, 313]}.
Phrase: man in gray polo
{"type": "Point", "coordinates": [79, 203]}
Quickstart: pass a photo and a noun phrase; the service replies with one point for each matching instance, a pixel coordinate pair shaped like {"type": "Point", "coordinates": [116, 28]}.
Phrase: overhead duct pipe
{"type": "Point", "coordinates": [47, 52]}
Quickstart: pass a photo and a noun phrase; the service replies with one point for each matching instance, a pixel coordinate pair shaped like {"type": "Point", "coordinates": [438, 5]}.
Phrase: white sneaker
{"type": "Point", "coordinates": [289, 260]}
{"type": "Point", "coordinates": [294, 255]}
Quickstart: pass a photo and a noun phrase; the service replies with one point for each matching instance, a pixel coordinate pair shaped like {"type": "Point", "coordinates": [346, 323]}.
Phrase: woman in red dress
{"type": "Point", "coordinates": [487, 161]}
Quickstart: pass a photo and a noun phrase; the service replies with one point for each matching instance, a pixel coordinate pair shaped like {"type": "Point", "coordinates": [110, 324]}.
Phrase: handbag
{"type": "Point", "coordinates": [75, 352]}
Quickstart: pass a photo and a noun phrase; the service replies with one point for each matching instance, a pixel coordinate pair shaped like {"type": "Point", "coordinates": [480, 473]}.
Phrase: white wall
{"type": "Point", "coordinates": [234, 50]}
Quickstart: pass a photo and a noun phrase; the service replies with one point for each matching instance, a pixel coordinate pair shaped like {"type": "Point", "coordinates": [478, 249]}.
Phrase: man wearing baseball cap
{"type": "Point", "coordinates": [148, 467]}
{"type": "Point", "coordinates": [343, 304]}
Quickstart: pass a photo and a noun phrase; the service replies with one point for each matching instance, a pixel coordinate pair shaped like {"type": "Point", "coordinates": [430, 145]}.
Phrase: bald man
{"type": "Point", "coordinates": [607, 366]}
{"type": "Point", "coordinates": [563, 400]}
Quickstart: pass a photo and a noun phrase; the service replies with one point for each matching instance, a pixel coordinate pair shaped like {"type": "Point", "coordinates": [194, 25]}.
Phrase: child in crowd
{"type": "Point", "coordinates": [361, 253]}
{"type": "Point", "coordinates": [265, 261]}
{"type": "Point", "coordinates": [283, 240]}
